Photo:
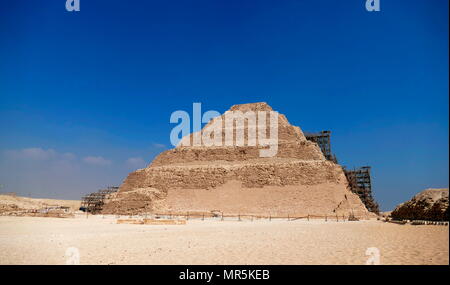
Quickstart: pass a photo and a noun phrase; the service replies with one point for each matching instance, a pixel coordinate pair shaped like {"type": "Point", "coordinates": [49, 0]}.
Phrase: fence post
{"type": "Point", "coordinates": [203, 217]}
{"type": "Point", "coordinates": [222, 216]}
{"type": "Point", "coordinates": [239, 217]}
{"type": "Point", "coordinates": [308, 217]}
{"type": "Point", "coordinates": [325, 218]}
{"type": "Point", "coordinates": [270, 217]}
{"type": "Point", "coordinates": [337, 218]}
{"type": "Point", "coordinates": [288, 217]}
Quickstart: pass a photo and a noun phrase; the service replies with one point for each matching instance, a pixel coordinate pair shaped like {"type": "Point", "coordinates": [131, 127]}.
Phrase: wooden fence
{"type": "Point", "coordinates": [241, 217]}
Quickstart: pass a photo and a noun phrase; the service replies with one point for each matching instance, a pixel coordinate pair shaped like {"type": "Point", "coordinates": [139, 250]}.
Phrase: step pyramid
{"type": "Point", "coordinates": [296, 181]}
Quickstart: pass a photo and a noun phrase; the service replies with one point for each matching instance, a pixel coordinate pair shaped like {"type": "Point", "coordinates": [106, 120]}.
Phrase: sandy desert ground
{"type": "Point", "coordinates": [32, 240]}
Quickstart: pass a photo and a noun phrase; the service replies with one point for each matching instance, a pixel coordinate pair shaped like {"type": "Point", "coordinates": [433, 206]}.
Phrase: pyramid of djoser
{"type": "Point", "coordinates": [298, 180]}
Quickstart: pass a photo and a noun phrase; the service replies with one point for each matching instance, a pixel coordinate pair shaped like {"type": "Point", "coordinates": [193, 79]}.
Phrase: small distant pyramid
{"type": "Point", "coordinates": [298, 180]}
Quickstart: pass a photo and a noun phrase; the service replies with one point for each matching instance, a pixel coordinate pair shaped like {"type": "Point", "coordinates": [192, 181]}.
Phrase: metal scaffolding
{"type": "Point", "coordinates": [94, 202]}
{"type": "Point", "coordinates": [360, 183]}
{"type": "Point", "coordinates": [358, 179]}
{"type": "Point", "coordinates": [322, 139]}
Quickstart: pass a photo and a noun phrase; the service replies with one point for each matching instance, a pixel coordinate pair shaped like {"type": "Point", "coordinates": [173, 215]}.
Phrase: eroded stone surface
{"type": "Point", "coordinates": [430, 204]}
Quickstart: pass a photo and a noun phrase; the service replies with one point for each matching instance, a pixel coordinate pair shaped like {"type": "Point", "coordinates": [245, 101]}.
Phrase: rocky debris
{"type": "Point", "coordinates": [9, 208]}
{"type": "Point", "coordinates": [235, 179]}
{"type": "Point", "coordinates": [430, 204]}
{"type": "Point", "coordinates": [12, 205]}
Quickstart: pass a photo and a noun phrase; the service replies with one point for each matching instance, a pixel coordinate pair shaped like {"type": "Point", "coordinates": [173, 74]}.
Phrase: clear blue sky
{"type": "Point", "coordinates": [85, 97]}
